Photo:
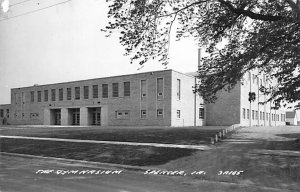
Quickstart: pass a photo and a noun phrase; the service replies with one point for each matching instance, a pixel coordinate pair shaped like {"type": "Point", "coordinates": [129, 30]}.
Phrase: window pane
{"type": "Point", "coordinates": [39, 96]}
{"type": "Point", "coordinates": [86, 92]}
{"type": "Point", "coordinates": [159, 87]}
{"type": "Point", "coordinates": [143, 88]}
{"type": "Point", "coordinates": [77, 93]}
{"type": "Point", "coordinates": [201, 113]}
{"type": "Point", "coordinates": [61, 94]}
{"type": "Point", "coordinates": [32, 96]}
{"type": "Point", "coordinates": [53, 94]}
{"type": "Point", "coordinates": [95, 91]}
{"type": "Point", "coordinates": [126, 88]}
{"type": "Point", "coordinates": [115, 92]}
{"type": "Point", "coordinates": [178, 89]}
{"type": "Point", "coordinates": [69, 93]}
{"type": "Point", "coordinates": [105, 90]}
{"type": "Point", "coordinates": [46, 95]}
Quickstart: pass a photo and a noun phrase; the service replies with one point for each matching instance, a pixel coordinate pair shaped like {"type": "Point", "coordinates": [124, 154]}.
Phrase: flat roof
{"type": "Point", "coordinates": [103, 78]}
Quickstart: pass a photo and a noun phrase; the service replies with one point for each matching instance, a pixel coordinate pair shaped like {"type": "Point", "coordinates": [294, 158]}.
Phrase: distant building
{"type": "Point", "coordinates": [163, 98]}
{"type": "Point", "coordinates": [291, 118]}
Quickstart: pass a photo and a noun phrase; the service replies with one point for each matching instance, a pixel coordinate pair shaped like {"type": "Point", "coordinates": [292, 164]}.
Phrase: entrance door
{"type": "Point", "coordinates": [76, 117]}
{"type": "Point", "coordinates": [96, 116]}
{"type": "Point", "coordinates": [57, 117]}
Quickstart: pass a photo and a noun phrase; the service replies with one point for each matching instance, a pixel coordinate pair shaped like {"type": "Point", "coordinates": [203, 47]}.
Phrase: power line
{"type": "Point", "coordinates": [19, 3]}
{"type": "Point", "coordinates": [34, 11]}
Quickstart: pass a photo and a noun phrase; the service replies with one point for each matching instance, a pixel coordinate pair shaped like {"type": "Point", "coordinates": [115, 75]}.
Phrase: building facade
{"type": "Point", "coordinates": [291, 118]}
{"type": "Point", "coordinates": [234, 107]}
{"type": "Point", "coordinates": [163, 98]}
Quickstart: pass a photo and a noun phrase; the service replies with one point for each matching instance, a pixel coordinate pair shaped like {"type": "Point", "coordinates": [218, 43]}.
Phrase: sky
{"type": "Point", "coordinates": [61, 43]}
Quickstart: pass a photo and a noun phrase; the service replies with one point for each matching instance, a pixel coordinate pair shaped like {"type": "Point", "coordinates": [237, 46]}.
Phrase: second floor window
{"type": "Point", "coordinates": [32, 96]}
{"type": "Point", "coordinates": [69, 93]}
{"type": "Point", "coordinates": [77, 93]}
{"type": "Point", "coordinates": [39, 96]}
{"type": "Point", "coordinates": [61, 94]}
{"type": "Point", "coordinates": [126, 88]}
{"type": "Point", "coordinates": [46, 95]}
{"type": "Point", "coordinates": [53, 94]}
{"type": "Point", "coordinates": [86, 92]}
{"type": "Point", "coordinates": [105, 90]}
{"type": "Point", "coordinates": [95, 91]}
{"type": "Point", "coordinates": [115, 90]}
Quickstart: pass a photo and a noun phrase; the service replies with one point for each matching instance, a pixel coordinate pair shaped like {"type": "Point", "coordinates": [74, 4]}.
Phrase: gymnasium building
{"type": "Point", "coordinates": [158, 98]}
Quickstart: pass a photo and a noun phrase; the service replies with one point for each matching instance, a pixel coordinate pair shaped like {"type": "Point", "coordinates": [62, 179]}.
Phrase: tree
{"type": "Point", "coordinates": [256, 34]}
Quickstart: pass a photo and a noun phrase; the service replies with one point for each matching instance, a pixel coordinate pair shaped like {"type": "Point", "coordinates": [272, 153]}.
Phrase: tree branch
{"type": "Point", "coordinates": [248, 13]}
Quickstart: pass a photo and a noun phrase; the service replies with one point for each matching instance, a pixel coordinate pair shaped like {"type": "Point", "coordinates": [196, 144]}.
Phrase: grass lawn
{"type": "Point", "coordinates": [105, 153]}
{"type": "Point", "coordinates": [143, 135]}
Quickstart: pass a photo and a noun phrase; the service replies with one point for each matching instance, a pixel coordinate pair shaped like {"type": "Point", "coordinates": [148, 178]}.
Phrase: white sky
{"type": "Point", "coordinates": [64, 43]}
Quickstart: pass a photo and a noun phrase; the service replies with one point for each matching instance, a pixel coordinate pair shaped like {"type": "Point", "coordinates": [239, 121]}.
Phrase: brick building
{"type": "Point", "coordinates": [162, 98]}
{"type": "Point", "coordinates": [235, 108]}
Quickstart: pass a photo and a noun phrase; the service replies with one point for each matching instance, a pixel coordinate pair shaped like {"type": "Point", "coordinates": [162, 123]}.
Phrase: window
{"type": "Point", "coordinates": [263, 115]}
{"type": "Point", "coordinates": [178, 89]}
{"type": "Point", "coordinates": [257, 80]}
{"type": "Point", "coordinates": [15, 97]}
{"type": "Point", "coordinates": [69, 93]}
{"type": "Point", "coordinates": [1, 113]}
{"type": "Point", "coordinates": [267, 118]}
{"type": "Point", "coordinates": [160, 113]}
{"type": "Point", "coordinates": [32, 96]}
{"type": "Point", "coordinates": [253, 78]}
{"type": "Point", "coordinates": [201, 113]}
{"type": "Point", "coordinates": [256, 115]}
{"type": "Point", "coordinates": [7, 113]}
{"type": "Point", "coordinates": [252, 114]}
{"type": "Point", "coordinates": [127, 89]}
{"type": "Point", "coordinates": [53, 94]}
{"type": "Point", "coordinates": [244, 113]}
{"type": "Point", "coordinates": [115, 89]}
{"type": "Point", "coordinates": [61, 94]}
{"type": "Point", "coordinates": [260, 82]}
{"type": "Point", "coordinates": [260, 115]}
{"type": "Point", "coordinates": [248, 114]}
{"type": "Point", "coordinates": [77, 93]}
{"type": "Point", "coordinates": [178, 114]}
{"type": "Point", "coordinates": [39, 95]}
{"type": "Point", "coordinates": [124, 114]}
{"type": "Point", "coordinates": [143, 114]}
{"type": "Point", "coordinates": [95, 91]}
{"type": "Point", "coordinates": [159, 87]}
{"type": "Point", "coordinates": [45, 95]}
{"type": "Point", "coordinates": [86, 92]}
{"type": "Point", "coordinates": [249, 76]}
{"type": "Point", "coordinates": [143, 88]}
{"type": "Point", "coordinates": [105, 90]}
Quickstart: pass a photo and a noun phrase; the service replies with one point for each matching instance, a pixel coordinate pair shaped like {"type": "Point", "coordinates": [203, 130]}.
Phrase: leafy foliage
{"type": "Point", "coordinates": [257, 34]}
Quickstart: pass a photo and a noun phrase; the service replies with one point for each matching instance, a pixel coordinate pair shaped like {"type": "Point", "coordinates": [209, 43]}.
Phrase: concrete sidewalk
{"type": "Point", "coordinates": [199, 147]}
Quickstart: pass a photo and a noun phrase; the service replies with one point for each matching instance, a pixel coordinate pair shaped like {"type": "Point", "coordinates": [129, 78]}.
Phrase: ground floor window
{"type": "Point", "coordinates": [244, 113]}
{"type": "Point", "coordinates": [201, 113]}
{"type": "Point", "coordinates": [143, 114]}
{"type": "Point", "coordinates": [178, 114]}
{"type": "Point", "coordinates": [160, 113]}
{"type": "Point", "coordinates": [248, 114]}
{"type": "Point", "coordinates": [122, 114]}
